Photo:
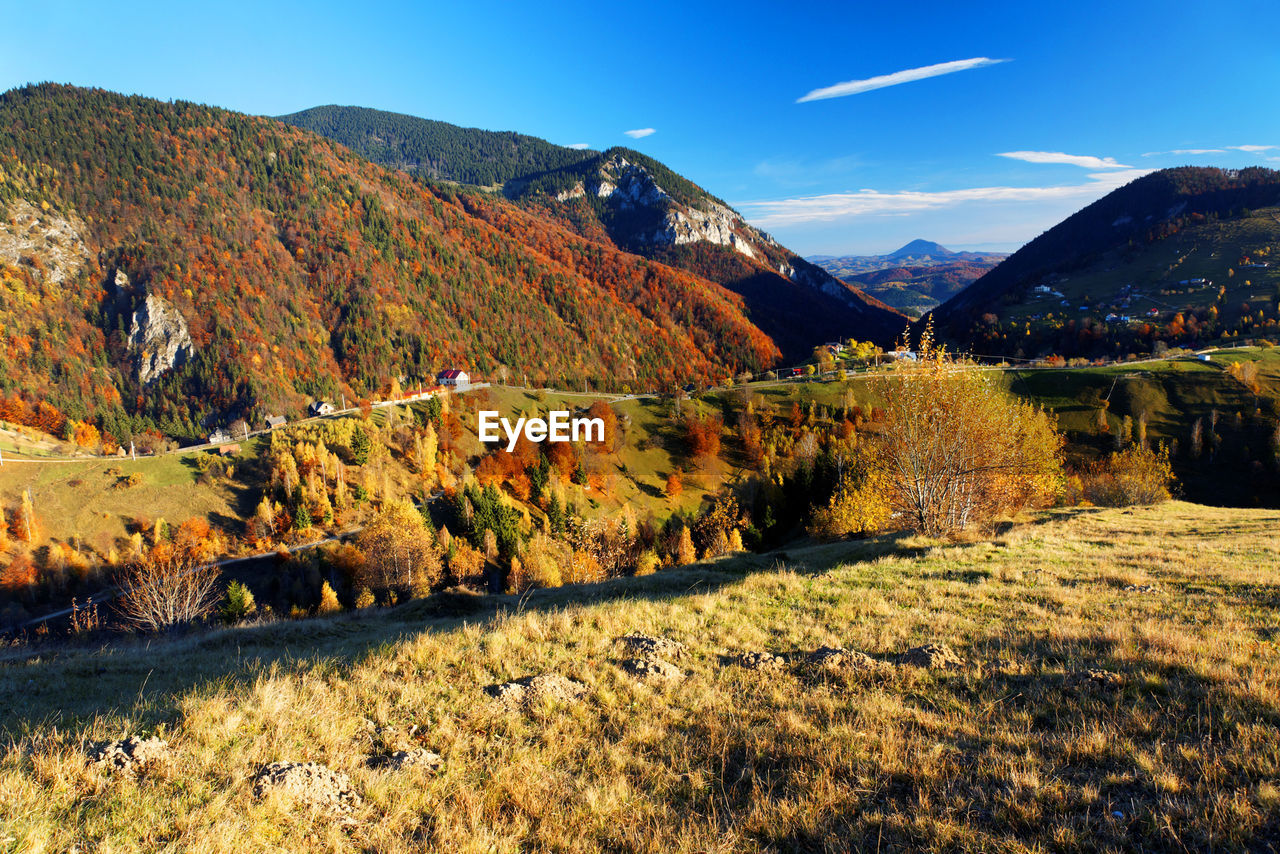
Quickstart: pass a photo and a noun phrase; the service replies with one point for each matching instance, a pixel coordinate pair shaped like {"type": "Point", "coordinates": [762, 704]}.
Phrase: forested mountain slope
{"type": "Point", "coordinates": [625, 199]}
{"type": "Point", "coordinates": [1179, 257]}
{"type": "Point", "coordinates": [173, 266]}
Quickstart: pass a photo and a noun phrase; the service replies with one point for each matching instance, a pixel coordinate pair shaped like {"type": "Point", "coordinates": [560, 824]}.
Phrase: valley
{"type": "Point", "coordinates": [373, 482]}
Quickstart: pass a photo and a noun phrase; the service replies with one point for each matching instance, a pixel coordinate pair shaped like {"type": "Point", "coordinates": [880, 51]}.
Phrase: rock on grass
{"type": "Point", "coordinates": [652, 668]}
{"type": "Point", "coordinates": [130, 756]}
{"type": "Point", "coordinates": [645, 646]}
{"type": "Point", "coordinates": [839, 658]}
{"type": "Point", "coordinates": [401, 760]}
{"type": "Point", "coordinates": [533, 689]}
{"type": "Point", "coordinates": [755, 660]}
{"type": "Point", "coordinates": [932, 656]}
{"type": "Point", "coordinates": [308, 783]}
{"type": "Point", "coordinates": [1095, 677]}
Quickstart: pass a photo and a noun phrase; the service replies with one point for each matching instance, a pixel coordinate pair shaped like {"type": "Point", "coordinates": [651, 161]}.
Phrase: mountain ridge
{"type": "Point", "coordinates": [626, 199]}
{"type": "Point", "coordinates": [1152, 262]}
{"type": "Point", "coordinates": [298, 271]}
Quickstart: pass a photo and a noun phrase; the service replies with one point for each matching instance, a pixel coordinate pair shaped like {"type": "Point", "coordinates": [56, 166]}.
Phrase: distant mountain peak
{"type": "Point", "coordinates": [921, 247]}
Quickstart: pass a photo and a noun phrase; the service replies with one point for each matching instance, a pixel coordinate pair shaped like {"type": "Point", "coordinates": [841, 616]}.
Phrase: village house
{"type": "Point", "coordinates": [321, 407]}
{"type": "Point", "coordinates": [274, 421]}
{"type": "Point", "coordinates": [217, 437]}
{"type": "Point", "coordinates": [453, 378]}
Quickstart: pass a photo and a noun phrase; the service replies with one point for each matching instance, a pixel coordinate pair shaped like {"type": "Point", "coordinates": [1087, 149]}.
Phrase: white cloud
{"type": "Point", "coordinates": [864, 203]}
{"type": "Point", "coordinates": [638, 133]}
{"type": "Point", "coordinates": [855, 87]}
{"type": "Point", "coordinates": [1250, 149]}
{"type": "Point", "coordinates": [580, 146]}
{"type": "Point", "coordinates": [1187, 151]}
{"type": "Point", "coordinates": [1086, 161]}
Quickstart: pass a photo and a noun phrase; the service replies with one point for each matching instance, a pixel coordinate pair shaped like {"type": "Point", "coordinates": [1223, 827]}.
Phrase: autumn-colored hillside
{"type": "Point", "coordinates": [625, 200]}
{"type": "Point", "coordinates": [171, 267]}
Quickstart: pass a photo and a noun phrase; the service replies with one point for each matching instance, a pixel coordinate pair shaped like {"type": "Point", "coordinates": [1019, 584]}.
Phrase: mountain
{"type": "Point", "coordinates": [923, 249]}
{"type": "Point", "coordinates": [1177, 257]}
{"type": "Point", "coordinates": [917, 253]}
{"type": "Point", "coordinates": [624, 200]}
{"type": "Point", "coordinates": [171, 266]}
{"type": "Point", "coordinates": [915, 290]}
{"type": "Point", "coordinates": [912, 279]}
{"type": "Point", "coordinates": [435, 149]}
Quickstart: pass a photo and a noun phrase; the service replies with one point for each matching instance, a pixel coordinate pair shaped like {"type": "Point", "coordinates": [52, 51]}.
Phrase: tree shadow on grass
{"type": "Point", "coordinates": [1051, 786]}
{"type": "Point", "coordinates": [143, 678]}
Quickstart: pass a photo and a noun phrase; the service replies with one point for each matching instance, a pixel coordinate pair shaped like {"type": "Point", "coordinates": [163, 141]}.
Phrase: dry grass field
{"type": "Point", "coordinates": [1023, 742]}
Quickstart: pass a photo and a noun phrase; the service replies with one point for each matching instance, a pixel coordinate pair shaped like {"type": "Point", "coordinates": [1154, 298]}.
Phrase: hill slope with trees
{"type": "Point", "coordinates": [625, 200]}
{"type": "Point", "coordinates": [1179, 257]}
{"type": "Point", "coordinates": [171, 267]}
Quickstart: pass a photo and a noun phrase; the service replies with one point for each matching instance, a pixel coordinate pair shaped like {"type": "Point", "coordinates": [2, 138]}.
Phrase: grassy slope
{"type": "Point", "coordinates": [82, 499]}
{"type": "Point", "coordinates": [78, 500]}
{"type": "Point", "coordinates": [1208, 251]}
{"type": "Point", "coordinates": [1004, 752]}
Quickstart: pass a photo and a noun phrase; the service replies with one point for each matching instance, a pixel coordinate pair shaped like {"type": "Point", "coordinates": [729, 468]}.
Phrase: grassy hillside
{"type": "Point", "coordinates": [1132, 254]}
{"type": "Point", "coordinates": [1015, 746]}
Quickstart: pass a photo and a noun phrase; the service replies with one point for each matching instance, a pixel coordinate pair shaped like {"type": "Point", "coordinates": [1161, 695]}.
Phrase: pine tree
{"type": "Point", "coordinates": [685, 552]}
{"type": "Point", "coordinates": [329, 603]}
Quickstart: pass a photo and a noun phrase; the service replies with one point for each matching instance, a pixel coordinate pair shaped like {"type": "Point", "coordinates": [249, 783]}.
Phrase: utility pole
{"type": "Point", "coordinates": [133, 451]}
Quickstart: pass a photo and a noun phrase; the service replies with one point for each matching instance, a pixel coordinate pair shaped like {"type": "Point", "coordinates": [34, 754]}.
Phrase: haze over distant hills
{"type": "Point", "coordinates": [913, 278]}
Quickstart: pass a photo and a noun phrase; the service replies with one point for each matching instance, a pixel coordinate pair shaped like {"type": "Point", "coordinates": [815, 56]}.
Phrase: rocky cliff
{"type": "Point", "coordinates": [158, 338]}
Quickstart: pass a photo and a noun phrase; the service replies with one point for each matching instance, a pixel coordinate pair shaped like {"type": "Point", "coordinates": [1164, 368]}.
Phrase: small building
{"type": "Point", "coordinates": [1204, 357]}
{"type": "Point", "coordinates": [217, 437]}
{"type": "Point", "coordinates": [321, 407]}
{"type": "Point", "coordinates": [274, 421]}
{"type": "Point", "coordinates": [229, 450]}
{"type": "Point", "coordinates": [903, 355]}
{"type": "Point", "coordinates": [453, 378]}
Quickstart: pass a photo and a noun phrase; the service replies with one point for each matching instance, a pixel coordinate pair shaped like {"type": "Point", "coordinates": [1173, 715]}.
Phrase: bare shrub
{"type": "Point", "coordinates": [166, 587]}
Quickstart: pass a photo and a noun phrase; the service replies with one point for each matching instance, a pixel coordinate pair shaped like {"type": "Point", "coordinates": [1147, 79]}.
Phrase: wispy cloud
{"type": "Point", "coordinates": [1086, 161]}
{"type": "Point", "coordinates": [580, 146]}
{"type": "Point", "coordinates": [841, 206]}
{"type": "Point", "coordinates": [639, 132]}
{"type": "Point", "coordinates": [1248, 149]}
{"type": "Point", "coordinates": [855, 87]}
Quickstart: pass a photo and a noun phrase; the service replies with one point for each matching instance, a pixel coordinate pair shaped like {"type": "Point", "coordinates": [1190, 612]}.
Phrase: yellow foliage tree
{"type": "Point", "coordinates": [959, 450]}
{"type": "Point", "coordinates": [399, 551]}
{"type": "Point", "coordinates": [685, 552]}
{"type": "Point", "coordinates": [329, 603]}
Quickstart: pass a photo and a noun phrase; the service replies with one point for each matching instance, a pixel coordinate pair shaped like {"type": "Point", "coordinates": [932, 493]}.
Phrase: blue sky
{"type": "Point", "coordinates": [1119, 88]}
